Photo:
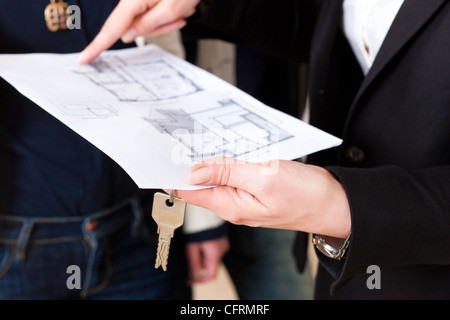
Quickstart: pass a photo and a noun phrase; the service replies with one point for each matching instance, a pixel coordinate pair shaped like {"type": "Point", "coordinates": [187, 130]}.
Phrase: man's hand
{"type": "Point", "coordinates": [134, 18]}
{"type": "Point", "coordinates": [278, 194]}
{"type": "Point", "coordinates": [205, 258]}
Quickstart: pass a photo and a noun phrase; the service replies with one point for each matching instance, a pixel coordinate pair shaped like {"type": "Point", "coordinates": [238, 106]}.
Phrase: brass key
{"type": "Point", "coordinates": [168, 213]}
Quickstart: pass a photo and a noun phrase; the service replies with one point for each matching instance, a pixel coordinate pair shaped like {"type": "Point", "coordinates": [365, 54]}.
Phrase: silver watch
{"type": "Point", "coordinates": [330, 249]}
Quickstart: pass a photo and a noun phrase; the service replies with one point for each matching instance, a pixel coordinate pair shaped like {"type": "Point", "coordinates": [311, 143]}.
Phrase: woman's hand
{"type": "Point", "coordinates": [134, 18]}
{"type": "Point", "coordinates": [277, 194]}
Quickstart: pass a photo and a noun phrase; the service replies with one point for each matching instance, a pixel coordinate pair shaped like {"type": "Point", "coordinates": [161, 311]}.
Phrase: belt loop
{"type": "Point", "coordinates": [90, 236]}
{"type": "Point", "coordinates": [138, 214]}
{"type": "Point", "coordinates": [24, 238]}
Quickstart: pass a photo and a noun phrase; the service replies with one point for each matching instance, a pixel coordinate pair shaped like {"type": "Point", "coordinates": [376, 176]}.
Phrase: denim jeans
{"type": "Point", "coordinates": [115, 251]}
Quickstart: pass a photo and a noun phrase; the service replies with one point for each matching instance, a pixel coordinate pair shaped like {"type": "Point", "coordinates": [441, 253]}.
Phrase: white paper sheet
{"type": "Point", "coordinates": [156, 115]}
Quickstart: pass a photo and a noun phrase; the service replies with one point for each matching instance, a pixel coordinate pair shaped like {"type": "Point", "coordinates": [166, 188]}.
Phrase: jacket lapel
{"type": "Point", "coordinates": [413, 15]}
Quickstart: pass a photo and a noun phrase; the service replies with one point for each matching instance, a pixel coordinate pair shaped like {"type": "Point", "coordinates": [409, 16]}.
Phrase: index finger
{"type": "Point", "coordinates": [115, 26]}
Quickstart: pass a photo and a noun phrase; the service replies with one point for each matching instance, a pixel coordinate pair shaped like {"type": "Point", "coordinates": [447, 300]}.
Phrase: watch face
{"type": "Point", "coordinates": [329, 251]}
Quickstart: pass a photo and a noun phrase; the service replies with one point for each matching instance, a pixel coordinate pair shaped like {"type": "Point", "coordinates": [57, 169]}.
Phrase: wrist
{"type": "Point", "coordinates": [335, 209]}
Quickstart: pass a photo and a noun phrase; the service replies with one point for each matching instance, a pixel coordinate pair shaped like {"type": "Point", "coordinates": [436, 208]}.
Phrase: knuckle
{"type": "Point", "coordinates": [265, 185]}
{"type": "Point", "coordinates": [224, 174]}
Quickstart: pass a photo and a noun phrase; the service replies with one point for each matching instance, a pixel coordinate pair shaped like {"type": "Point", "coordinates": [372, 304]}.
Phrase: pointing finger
{"type": "Point", "coordinates": [117, 24]}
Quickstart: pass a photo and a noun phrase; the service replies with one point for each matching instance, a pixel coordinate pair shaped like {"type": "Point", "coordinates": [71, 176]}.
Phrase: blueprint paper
{"type": "Point", "coordinates": [157, 115]}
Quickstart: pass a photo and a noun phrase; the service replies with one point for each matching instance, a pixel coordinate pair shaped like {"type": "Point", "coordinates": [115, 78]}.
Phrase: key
{"type": "Point", "coordinates": [168, 213]}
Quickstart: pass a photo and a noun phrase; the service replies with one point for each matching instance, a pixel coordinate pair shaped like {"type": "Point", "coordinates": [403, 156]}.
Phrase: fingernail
{"type": "Point", "coordinates": [129, 36]}
{"type": "Point", "coordinates": [200, 176]}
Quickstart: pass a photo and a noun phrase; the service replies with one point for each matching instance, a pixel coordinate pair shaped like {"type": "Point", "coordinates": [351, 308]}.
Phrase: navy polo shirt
{"type": "Point", "coordinates": [46, 169]}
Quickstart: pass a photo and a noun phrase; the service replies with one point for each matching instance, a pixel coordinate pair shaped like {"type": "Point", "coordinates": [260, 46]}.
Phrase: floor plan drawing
{"type": "Point", "coordinates": [157, 115]}
{"type": "Point", "coordinates": [227, 129]}
{"type": "Point", "coordinates": [86, 110]}
{"type": "Point", "coordinates": [140, 81]}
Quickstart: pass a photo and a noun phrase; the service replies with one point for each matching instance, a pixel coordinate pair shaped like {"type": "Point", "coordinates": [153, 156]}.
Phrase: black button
{"type": "Point", "coordinates": [321, 92]}
{"type": "Point", "coordinates": [355, 155]}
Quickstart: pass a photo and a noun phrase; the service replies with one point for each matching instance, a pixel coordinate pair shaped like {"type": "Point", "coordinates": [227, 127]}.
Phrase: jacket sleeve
{"type": "Point", "coordinates": [399, 217]}
{"type": "Point", "coordinates": [282, 28]}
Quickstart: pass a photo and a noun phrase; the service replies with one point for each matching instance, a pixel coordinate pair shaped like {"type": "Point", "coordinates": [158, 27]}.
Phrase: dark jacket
{"type": "Point", "coordinates": [395, 160]}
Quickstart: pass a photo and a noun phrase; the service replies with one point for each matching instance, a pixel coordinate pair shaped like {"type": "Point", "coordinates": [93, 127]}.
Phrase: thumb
{"type": "Point", "coordinates": [236, 183]}
{"type": "Point", "coordinates": [195, 260]}
{"type": "Point", "coordinates": [229, 172]}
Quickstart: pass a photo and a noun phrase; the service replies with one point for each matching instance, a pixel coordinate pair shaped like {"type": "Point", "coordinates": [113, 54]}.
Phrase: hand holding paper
{"type": "Point", "coordinates": [276, 194]}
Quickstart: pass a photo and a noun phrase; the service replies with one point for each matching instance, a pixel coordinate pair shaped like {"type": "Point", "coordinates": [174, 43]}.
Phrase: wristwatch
{"type": "Point", "coordinates": [331, 249]}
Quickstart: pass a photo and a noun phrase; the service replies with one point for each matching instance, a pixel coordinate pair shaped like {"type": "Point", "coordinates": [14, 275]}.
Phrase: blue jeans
{"type": "Point", "coordinates": [115, 251]}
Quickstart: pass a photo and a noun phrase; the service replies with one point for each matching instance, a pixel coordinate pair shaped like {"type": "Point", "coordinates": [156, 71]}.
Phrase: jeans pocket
{"type": "Point", "coordinates": [6, 258]}
{"type": "Point", "coordinates": [148, 233]}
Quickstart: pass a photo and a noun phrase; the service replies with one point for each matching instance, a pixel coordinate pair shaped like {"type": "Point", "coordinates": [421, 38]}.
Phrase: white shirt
{"type": "Point", "coordinates": [366, 24]}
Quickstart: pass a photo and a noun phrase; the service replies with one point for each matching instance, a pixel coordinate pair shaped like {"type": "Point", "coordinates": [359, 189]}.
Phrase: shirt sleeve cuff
{"type": "Point", "coordinates": [207, 235]}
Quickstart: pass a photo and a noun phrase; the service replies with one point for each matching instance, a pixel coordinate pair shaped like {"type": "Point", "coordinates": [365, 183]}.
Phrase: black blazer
{"type": "Point", "coordinates": [395, 123]}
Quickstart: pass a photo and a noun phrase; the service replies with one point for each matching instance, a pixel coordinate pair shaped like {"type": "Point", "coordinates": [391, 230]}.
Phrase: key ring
{"type": "Point", "coordinates": [172, 196]}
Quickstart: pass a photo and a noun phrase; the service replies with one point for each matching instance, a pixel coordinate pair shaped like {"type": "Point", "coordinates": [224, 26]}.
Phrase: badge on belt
{"type": "Point", "coordinates": [56, 15]}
